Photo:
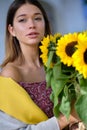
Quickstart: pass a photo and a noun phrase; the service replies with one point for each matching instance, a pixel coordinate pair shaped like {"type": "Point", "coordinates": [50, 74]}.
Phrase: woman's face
{"type": "Point", "coordinates": [28, 25]}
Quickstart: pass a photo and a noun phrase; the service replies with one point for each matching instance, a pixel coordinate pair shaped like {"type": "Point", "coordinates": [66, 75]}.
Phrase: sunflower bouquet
{"type": "Point", "coordinates": [65, 62]}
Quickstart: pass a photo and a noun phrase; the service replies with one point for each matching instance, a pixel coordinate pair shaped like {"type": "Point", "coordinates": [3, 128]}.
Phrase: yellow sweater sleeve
{"type": "Point", "coordinates": [15, 101]}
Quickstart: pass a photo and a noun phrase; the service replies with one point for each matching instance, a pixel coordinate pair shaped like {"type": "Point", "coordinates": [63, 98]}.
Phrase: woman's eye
{"type": "Point", "coordinates": [38, 18]}
{"type": "Point", "coordinates": [22, 20]}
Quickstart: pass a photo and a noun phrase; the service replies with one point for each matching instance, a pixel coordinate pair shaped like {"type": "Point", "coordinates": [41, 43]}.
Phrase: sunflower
{"type": "Point", "coordinates": [66, 47]}
{"type": "Point", "coordinates": [56, 37]}
{"type": "Point", "coordinates": [85, 32]}
{"type": "Point", "coordinates": [48, 45]}
{"type": "Point", "coordinates": [80, 56]}
{"type": "Point", "coordinates": [44, 49]}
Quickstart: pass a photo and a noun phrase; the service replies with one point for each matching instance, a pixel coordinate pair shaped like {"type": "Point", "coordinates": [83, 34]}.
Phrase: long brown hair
{"type": "Point", "coordinates": [12, 47]}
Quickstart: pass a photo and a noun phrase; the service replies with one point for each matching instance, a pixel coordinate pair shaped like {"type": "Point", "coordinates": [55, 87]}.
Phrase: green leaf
{"type": "Point", "coordinates": [65, 104]}
{"type": "Point", "coordinates": [49, 74]}
{"type": "Point", "coordinates": [56, 110]}
{"type": "Point", "coordinates": [83, 85]}
{"type": "Point", "coordinates": [81, 108]}
{"type": "Point", "coordinates": [57, 87]}
{"type": "Point", "coordinates": [57, 70]}
{"type": "Point", "coordinates": [55, 97]}
{"type": "Point", "coordinates": [50, 58]}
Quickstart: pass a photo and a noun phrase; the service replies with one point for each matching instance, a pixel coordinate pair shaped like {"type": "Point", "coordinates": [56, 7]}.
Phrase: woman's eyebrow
{"type": "Point", "coordinates": [25, 14]}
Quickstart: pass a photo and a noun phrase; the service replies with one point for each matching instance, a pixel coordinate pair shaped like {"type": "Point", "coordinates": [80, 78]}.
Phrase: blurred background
{"type": "Point", "coordinates": [65, 16]}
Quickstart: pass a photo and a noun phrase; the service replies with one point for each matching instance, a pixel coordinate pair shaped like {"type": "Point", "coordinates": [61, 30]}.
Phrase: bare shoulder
{"type": "Point", "coordinates": [10, 70]}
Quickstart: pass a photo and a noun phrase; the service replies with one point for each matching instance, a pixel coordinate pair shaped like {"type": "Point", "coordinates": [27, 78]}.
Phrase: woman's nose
{"type": "Point", "coordinates": [31, 23]}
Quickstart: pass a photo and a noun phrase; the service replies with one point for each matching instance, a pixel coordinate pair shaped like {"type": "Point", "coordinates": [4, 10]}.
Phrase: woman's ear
{"type": "Point", "coordinates": [11, 30]}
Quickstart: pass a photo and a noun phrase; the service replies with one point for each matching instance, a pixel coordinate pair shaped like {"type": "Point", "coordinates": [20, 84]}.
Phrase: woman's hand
{"type": "Point", "coordinates": [73, 111]}
{"type": "Point", "coordinates": [63, 121]}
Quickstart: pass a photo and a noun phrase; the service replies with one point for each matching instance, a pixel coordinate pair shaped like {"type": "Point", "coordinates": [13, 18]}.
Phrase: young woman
{"type": "Point", "coordinates": [24, 99]}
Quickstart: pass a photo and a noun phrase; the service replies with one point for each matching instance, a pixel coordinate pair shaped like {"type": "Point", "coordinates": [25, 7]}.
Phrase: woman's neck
{"type": "Point", "coordinates": [30, 56]}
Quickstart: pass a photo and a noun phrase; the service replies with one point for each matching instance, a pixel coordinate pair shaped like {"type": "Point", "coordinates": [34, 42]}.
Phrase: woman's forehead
{"type": "Point", "coordinates": [28, 9]}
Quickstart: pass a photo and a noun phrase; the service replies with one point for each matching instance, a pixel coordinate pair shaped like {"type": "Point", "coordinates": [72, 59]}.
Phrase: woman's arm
{"type": "Point", "coordinates": [9, 123]}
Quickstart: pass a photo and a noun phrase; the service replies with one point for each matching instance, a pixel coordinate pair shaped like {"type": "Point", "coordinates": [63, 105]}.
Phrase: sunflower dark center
{"type": "Point", "coordinates": [85, 56]}
{"type": "Point", "coordinates": [70, 48]}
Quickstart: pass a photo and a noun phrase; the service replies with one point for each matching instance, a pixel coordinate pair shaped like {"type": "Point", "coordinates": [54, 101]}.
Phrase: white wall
{"type": "Point", "coordinates": [70, 16]}
{"type": "Point", "coordinates": [65, 16]}
{"type": "Point", "coordinates": [4, 4]}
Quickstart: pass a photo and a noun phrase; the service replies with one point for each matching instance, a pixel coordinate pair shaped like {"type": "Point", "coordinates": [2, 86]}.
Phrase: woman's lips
{"type": "Point", "coordinates": [32, 35]}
